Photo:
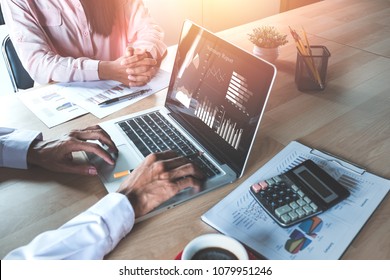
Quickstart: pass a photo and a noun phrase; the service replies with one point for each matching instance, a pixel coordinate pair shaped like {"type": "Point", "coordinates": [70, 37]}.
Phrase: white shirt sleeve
{"type": "Point", "coordinates": [90, 235]}
{"type": "Point", "coordinates": [14, 146]}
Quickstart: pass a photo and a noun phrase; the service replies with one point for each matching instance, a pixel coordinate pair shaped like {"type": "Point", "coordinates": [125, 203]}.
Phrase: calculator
{"type": "Point", "coordinates": [300, 193]}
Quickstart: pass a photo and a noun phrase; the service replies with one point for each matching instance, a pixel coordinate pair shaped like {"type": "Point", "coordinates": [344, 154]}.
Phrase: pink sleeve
{"type": "Point", "coordinates": [143, 31]}
{"type": "Point", "coordinates": [35, 49]}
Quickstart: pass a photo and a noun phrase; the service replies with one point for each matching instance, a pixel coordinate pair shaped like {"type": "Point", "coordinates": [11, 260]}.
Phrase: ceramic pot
{"type": "Point", "coordinates": [269, 54]}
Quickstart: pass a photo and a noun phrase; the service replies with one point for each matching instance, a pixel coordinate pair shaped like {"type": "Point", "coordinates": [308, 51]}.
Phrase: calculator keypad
{"type": "Point", "coordinates": [283, 199]}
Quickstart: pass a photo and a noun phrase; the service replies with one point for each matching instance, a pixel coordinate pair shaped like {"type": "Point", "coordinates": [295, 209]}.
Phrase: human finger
{"type": "Point", "coordinates": [180, 168]}
{"type": "Point", "coordinates": [91, 133]}
{"type": "Point", "coordinates": [72, 167]}
{"type": "Point", "coordinates": [137, 81]}
{"type": "Point", "coordinates": [135, 58]}
{"type": "Point", "coordinates": [82, 146]}
{"type": "Point", "coordinates": [165, 155]}
{"type": "Point", "coordinates": [186, 182]}
{"type": "Point", "coordinates": [141, 79]}
{"type": "Point", "coordinates": [98, 128]}
{"type": "Point", "coordinates": [141, 62]}
{"type": "Point", "coordinates": [95, 133]}
{"type": "Point", "coordinates": [129, 51]}
{"type": "Point", "coordinates": [139, 51]}
{"type": "Point", "coordinates": [144, 70]}
{"type": "Point", "coordinates": [174, 168]}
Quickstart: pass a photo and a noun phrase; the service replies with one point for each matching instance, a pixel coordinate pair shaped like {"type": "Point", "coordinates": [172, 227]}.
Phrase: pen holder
{"type": "Point", "coordinates": [310, 71]}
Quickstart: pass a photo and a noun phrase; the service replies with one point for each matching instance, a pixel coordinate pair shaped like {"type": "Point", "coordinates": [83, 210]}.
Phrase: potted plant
{"type": "Point", "coordinates": [267, 40]}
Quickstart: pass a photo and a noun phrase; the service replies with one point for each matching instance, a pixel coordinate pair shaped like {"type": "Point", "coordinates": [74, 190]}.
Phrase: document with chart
{"type": "Point", "coordinates": [88, 95]}
{"type": "Point", "coordinates": [57, 103]}
{"type": "Point", "coordinates": [50, 105]}
{"type": "Point", "coordinates": [325, 236]}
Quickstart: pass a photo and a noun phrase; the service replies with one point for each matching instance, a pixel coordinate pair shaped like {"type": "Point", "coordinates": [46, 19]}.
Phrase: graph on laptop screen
{"type": "Point", "coordinates": [217, 89]}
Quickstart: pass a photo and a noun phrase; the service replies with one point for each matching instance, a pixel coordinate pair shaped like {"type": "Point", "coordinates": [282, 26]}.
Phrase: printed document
{"type": "Point", "coordinates": [89, 94]}
{"type": "Point", "coordinates": [50, 105]}
{"type": "Point", "coordinates": [60, 102]}
{"type": "Point", "coordinates": [325, 236]}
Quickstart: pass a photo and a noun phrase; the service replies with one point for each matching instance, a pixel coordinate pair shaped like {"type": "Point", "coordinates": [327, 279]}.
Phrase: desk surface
{"type": "Point", "coordinates": [349, 119]}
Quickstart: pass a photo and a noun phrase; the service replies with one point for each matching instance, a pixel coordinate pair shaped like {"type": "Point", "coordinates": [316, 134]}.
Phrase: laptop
{"type": "Point", "coordinates": [215, 100]}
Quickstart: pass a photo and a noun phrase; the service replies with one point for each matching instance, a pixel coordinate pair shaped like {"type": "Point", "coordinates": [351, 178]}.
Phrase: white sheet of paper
{"type": "Point", "coordinates": [89, 94]}
{"type": "Point", "coordinates": [50, 106]}
{"type": "Point", "coordinates": [325, 236]}
{"type": "Point", "coordinates": [58, 103]}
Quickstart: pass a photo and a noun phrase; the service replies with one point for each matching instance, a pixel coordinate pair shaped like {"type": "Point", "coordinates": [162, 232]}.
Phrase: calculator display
{"type": "Point", "coordinates": [315, 184]}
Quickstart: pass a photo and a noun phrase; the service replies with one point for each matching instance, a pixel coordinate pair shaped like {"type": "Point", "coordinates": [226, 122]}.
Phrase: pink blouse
{"type": "Point", "coordinates": [54, 41]}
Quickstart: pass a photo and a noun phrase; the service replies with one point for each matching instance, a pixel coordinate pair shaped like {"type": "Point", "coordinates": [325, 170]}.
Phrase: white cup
{"type": "Point", "coordinates": [214, 241]}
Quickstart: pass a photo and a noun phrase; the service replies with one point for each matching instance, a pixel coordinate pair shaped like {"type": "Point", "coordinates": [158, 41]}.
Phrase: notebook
{"type": "Point", "coordinates": [215, 100]}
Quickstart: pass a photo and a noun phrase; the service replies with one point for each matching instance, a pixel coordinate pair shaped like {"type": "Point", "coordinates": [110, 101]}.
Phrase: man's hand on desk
{"type": "Point", "coordinates": [56, 154]}
{"type": "Point", "coordinates": [159, 177]}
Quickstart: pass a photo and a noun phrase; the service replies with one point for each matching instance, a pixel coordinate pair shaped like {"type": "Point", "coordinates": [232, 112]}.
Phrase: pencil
{"type": "Point", "coordinates": [305, 51]}
{"type": "Point", "coordinates": [316, 74]}
{"type": "Point", "coordinates": [121, 174]}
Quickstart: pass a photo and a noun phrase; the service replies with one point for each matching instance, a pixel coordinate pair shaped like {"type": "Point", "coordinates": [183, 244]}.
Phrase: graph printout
{"type": "Point", "coordinates": [89, 94]}
{"type": "Point", "coordinates": [50, 105]}
{"type": "Point", "coordinates": [325, 236]}
{"type": "Point", "coordinates": [57, 103]}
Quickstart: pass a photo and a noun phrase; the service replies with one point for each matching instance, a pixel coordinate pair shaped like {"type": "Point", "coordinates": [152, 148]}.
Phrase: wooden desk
{"type": "Point", "coordinates": [349, 119]}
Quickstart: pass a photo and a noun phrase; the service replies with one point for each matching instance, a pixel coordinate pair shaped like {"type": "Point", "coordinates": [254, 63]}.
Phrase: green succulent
{"type": "Point", "coordinates": [267, 37]}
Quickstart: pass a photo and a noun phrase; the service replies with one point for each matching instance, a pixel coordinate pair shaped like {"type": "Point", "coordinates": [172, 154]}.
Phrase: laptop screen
{"type": "Point", "coordinates": [218, 92]}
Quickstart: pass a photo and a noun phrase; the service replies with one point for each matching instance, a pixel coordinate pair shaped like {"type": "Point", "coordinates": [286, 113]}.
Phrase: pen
{"type": "Point", "coordinates": [127, 96]}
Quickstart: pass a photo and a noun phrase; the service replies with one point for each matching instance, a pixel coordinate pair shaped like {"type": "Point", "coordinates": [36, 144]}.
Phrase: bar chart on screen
{"type": "Point", "coordinates": [215, 117]}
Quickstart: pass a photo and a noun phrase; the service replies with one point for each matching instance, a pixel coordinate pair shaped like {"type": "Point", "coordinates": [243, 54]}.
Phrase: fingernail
{"type": "Point", "coordinates": [92, 171]}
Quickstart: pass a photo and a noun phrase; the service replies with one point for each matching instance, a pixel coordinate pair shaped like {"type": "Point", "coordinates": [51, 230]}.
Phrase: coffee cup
{"type": "Point", "coordinates": [214, 246]}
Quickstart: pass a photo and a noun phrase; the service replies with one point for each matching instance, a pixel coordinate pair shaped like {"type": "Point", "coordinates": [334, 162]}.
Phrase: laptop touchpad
{"type": "Point", "coordinates": [126, 160]}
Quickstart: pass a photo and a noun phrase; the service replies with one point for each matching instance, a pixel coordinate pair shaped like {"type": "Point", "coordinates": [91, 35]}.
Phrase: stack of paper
{"type": "Point", "coordinates": [57, 103]}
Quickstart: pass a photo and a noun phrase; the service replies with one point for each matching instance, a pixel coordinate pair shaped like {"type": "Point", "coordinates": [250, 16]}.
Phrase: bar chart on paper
{"type": "Point", "coordinates": [325, 236]}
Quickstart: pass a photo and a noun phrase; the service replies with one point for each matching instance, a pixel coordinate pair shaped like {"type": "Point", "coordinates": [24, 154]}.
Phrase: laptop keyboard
{"type": "Point", "coordinates": [152, 133]}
